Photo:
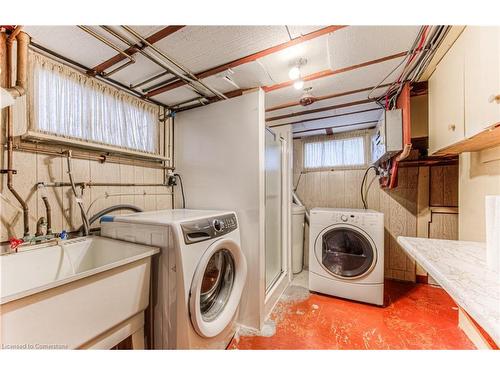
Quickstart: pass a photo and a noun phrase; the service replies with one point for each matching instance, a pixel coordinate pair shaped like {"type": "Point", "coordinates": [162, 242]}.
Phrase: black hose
{"type": "Point", "coordinates": [107, 210]}
{"type": "Point", "coordinates": [182, 190]}
{"type": "Point", "coordinates": [363, 199]}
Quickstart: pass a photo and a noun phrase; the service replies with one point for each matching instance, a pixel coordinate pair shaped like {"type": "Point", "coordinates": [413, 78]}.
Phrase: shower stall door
{"type": "Point", "coordinates": [273, 203]}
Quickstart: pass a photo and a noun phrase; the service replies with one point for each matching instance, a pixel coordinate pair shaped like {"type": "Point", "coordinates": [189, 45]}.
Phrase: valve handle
{"type": "Point", "coordinates": [15, 242]}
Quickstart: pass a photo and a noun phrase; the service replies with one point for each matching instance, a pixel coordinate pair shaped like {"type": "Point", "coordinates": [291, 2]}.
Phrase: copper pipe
{"type": "Point", "coordinates": [405, 153]}
{"type": "Point", "coordinates": [48, 213]}
{"type": "Point", "coordinates": [16, 91]}
{"type": "Point", "coordinates": [22, 61]}
{"type": "Point", "coordinates": [403, 102]}
{"type": "Point", "coordinates": [94, 184]}
{"type": "Point", "coordinates": [53, 150]}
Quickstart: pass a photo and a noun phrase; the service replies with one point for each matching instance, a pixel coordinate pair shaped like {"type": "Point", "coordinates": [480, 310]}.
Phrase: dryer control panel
{"type": "Point", "coordinates": [206, 229]}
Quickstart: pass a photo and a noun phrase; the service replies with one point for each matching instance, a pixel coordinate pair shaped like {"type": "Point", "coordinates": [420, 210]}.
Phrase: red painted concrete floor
{"type": "Point", "coordinates": [416, 316]}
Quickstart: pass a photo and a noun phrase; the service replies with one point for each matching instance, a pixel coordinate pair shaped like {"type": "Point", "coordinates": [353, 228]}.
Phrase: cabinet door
{"type": "Point", "coordinates": [482, 78]}
{"type": "Point", "coordinates": [446, 99]}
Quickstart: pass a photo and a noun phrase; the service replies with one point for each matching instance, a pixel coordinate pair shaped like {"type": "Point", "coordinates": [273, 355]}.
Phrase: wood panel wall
{"type": "Point", "coordinates": [341, 189]}
{"type": "Point", "coordinates": [444, 186]}
{"type": "Point", "coordinates": [444, 225]}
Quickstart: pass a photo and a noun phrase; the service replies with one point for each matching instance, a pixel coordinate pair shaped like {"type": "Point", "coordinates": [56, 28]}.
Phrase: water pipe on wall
{"type": "Point", "coordinates": [78, 197]}
{"type": "Point", "coordinates": [16, 91]}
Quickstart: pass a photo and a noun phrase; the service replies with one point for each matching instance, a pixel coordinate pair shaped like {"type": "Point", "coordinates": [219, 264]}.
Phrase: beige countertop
{"type": "Point", "coordinates": [460, 268]}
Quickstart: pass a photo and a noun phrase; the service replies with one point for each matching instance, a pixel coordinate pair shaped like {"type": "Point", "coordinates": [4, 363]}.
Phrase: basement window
{"type": "Point", "coordinates": [347, 152]}
{"type": "Point", "coordinates": [68, 104]}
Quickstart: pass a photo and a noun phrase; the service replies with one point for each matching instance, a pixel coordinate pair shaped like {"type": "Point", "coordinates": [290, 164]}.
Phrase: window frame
{"type": "Point", "coordinates": [365, 134]}
{"type": "Point", "coordinates": [34, 133]}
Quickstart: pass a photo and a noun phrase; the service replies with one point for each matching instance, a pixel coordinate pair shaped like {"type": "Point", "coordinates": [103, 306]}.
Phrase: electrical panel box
{"type": "Point", "coordinates": [388, 138]}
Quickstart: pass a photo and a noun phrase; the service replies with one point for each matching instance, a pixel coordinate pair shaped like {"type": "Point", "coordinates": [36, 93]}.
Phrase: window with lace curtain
{"type": "Point", "coordinates": [327, 153]}
{"type": "Point", "coordinates": [69, 104]}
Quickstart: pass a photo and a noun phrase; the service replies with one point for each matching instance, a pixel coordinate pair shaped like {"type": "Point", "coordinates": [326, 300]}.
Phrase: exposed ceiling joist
{"type": "Point", "coordinates": [249, 58]}
{"type": "Point", "coordinates": [329, 72]}
{"type": "Point", "coordinates": [324, 97]}
{"type": "Point", "coordinates": [322, 109]}
{"type": "Point", "coordinates": [159, 35]}
{"type": "Point", "coordinates": [212, 99]}
{"type": "Point", "coordinates": [324, 73]}
{"type": "Point", "coordinates": [330, 128]}
{"type": "Point", "coordinates": [327, 117]}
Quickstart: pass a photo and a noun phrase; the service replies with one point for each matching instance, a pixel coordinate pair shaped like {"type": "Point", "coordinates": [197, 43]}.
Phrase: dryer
{"type": "Point", "coordinates": [198, 278]}
{"type": "Point", "coordinates": [346, 254]}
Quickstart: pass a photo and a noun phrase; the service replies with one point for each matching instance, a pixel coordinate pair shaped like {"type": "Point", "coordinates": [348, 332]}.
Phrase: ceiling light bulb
{"type": "Point", "coordinates": [294, 73]}
{"type": "Point", "coordinates": [298, 84]}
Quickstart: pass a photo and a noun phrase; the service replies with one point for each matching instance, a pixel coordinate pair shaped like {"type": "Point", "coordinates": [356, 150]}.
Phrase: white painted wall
{"type": "Point", "coordinates": [219, 152]}
{"type": "Point", "coordinates": [479, 176]}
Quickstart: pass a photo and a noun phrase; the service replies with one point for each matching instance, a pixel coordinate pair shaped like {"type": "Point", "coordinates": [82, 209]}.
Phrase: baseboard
{"type": "Point", "coordinates": [422, 279]}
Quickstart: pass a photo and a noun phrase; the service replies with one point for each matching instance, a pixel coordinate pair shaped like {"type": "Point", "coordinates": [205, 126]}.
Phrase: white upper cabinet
{"type": "Point", "coordinates": [446, 99]}
{"type": "Point", "coordinates": [465, 87]}
{"type": "Point", "coordinates": [482, 78]}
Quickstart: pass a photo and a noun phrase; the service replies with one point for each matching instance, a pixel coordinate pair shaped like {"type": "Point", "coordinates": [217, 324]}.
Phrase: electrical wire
{"type": "Point", "coordinates": [182, 190]}
{"type": "Point", "coordinates": [394, 69]}
{"type": "Point", "coordinates": [390, 95]}
{"type": "Point", "coordinates": [363, 198]}
{"type": "Point", "coordinates": [399, 81]}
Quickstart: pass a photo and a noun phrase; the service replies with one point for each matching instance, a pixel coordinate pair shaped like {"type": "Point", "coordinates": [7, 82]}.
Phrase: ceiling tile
{"type": "Point", "coordinates": [343, 82]}
{"type": "Point", "coordinates": [71, 42]}
{"type": "Point", "coordinates": [356, 44]}
{"type": "Point", "coordinates": [299, 30]}
{"type": "Point", "coordinates": [203, 47]}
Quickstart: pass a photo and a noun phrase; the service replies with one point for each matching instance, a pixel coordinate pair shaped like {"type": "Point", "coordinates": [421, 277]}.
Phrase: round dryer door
{"type": "Point", "coordinates": [216, 287]}
{"type": "Point", "coordinates": [345, 251]}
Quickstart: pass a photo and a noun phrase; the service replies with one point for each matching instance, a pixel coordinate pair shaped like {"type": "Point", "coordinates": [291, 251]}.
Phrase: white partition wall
{"type": "Point", "coordinates": [219, 153]}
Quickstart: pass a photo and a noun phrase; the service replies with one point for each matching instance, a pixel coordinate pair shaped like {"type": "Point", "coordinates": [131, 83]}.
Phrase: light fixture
{"type": "Point", "coordinates": [298, 84]}
{"type": "Point", "coordinates": [294, 73]}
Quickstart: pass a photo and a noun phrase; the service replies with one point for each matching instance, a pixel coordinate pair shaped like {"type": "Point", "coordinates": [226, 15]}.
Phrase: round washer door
{"type": "Point", "coordinates": [216, 287]}
{"type": "Point", "coordinates": [345, 251]}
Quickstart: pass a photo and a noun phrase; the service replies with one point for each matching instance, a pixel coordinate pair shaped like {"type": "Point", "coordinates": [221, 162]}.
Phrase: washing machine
{"type": "Point", "coordinates": [198, 277]}
{"type": "Point", "coordinates": [346, 254]}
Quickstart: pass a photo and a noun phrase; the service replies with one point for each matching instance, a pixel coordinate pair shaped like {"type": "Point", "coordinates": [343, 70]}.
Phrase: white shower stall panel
{"type": "Point", "coordinates": [220, 155]}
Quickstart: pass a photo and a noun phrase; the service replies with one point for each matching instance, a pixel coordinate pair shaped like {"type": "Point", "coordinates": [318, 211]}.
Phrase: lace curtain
{"type": "Point", "coordinates": [342, 150]}
{"type": "Point", "coordinates": [66, 103]}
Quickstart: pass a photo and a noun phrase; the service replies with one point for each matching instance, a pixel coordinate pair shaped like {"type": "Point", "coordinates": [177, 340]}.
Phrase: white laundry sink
{"type": "Point", "coordinates": [84, 293]}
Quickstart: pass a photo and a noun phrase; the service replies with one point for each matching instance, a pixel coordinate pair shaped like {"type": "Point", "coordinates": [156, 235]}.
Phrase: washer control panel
{"type": "Point", "coordinates": [351, 218]}
{"type": "Point", "coordinates": [356, 219]}
{"type": "Point", "coordinates": [206, 229]}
